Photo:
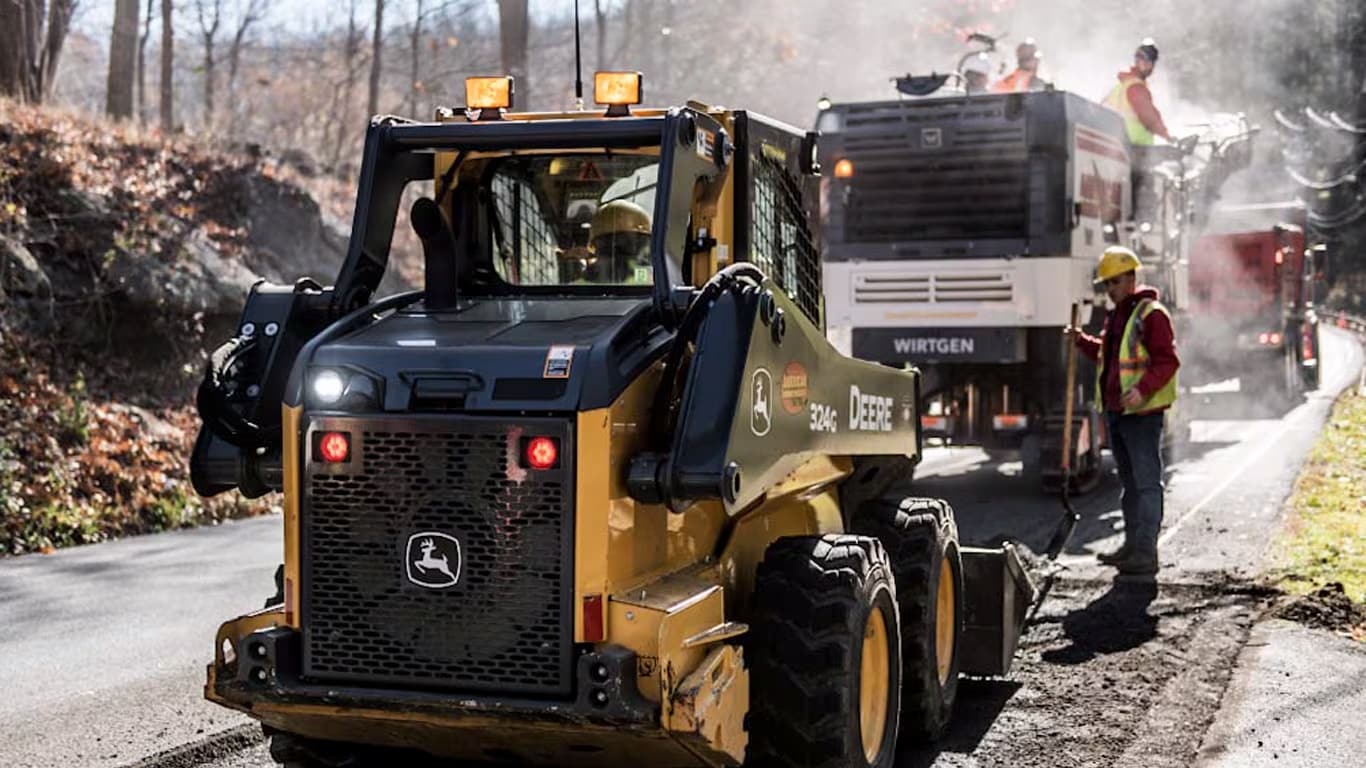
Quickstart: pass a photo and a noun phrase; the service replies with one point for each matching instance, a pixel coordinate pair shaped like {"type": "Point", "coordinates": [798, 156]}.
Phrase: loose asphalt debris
{"type": "Point", "coordinates": [1328, 608]}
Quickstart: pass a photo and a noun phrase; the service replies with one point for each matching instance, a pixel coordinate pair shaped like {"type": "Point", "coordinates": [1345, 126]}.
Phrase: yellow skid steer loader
{"type": "Point", "coordinates": [601, 492]}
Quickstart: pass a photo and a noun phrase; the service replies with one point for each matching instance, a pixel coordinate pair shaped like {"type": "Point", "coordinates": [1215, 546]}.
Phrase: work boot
{"type": "Point", "coordinates": [1116, 556]}
{"type": "Point", "coordinates": [1137, 563]}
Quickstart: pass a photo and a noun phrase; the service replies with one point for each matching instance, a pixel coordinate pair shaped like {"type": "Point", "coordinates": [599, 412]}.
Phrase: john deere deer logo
{"type": "Point", "coordinates": [438, 564]}
{"type": "Point", "coordinates": [761, 397]}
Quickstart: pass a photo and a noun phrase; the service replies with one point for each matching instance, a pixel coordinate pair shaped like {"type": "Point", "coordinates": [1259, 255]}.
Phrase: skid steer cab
{"type": "Point", "coordinates": [601, 492]}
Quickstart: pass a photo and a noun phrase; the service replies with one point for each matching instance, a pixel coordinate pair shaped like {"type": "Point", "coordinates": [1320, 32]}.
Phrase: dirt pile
{"type": "Point", "coordinates": [1328, 608]}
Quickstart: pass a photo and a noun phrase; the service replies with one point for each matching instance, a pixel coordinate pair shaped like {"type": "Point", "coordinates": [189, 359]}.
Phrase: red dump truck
{"type": "Point", "coordinates": [1252, 298]}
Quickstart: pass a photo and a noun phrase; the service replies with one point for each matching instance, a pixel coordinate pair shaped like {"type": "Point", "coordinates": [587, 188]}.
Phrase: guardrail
{"type": "Point", "coordinates": [1348, 322]}
{"type": "Point", "coordinates": [1356, 325]}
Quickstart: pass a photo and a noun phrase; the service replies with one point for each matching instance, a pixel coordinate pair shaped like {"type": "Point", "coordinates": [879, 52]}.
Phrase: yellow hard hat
{"type": "Point", "coordinates": [619, 217]}
{"type": "Point", "coordinates": [1116, 261]}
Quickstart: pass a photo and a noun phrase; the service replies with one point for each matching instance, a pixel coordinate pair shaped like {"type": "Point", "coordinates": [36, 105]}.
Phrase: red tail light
{"type": "Point", "coordinates": [335, 447]}
{"type": "Point", "coordinates": [593, 629]}
{"type": "Point", "coordinates": [542, 452]}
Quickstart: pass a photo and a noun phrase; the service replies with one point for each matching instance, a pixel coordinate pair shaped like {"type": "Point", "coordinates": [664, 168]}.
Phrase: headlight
{"type": "Point", "coordinates": [328, 386]}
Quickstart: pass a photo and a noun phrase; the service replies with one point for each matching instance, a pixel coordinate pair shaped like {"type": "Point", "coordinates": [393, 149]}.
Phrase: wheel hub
{"type": "Point", "coordinates": [873, 683]}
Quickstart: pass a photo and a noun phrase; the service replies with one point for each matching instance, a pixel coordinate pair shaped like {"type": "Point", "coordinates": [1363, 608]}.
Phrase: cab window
{"type": "Point", "coordinates": [573, 219]}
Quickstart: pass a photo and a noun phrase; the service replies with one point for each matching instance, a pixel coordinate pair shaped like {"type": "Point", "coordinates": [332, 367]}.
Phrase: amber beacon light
{"type": "Point", "coordinates": [488, 92]}
{"type": "Point", "coordinates": [617, 90]}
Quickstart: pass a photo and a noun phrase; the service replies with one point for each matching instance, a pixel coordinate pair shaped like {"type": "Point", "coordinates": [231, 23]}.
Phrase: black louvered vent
{"type": "Point", "coordinates": [506, 624]}
{"type": "Point", "coordinates": [957, 169]}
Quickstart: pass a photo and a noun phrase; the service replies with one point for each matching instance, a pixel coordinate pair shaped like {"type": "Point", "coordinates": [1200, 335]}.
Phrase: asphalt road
{"type": "Point", "coordinates": [102, 648]}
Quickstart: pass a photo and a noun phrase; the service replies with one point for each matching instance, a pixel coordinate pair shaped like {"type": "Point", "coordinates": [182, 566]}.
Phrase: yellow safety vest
{"type": "Point", "coordinates": [1133, 362]}
{"type": "Point", "coordinates": [1118, 100]}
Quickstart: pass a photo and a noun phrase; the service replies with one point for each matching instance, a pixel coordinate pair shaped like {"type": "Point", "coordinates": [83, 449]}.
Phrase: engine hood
{"type": "Point", "coordinates": [503, 354]}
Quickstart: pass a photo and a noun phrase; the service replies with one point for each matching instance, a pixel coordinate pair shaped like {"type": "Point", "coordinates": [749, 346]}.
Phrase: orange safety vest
{"type": "Point", "coordinates": [1015, 82]}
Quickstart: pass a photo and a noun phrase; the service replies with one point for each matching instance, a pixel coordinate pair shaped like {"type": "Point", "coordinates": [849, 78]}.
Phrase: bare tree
{"type": "Point", "coordinates": [376, 56]}
{"type": "Point", "coordinates": [210, 14]}
{"type": "Point", "coordinates": [339, 114]}
{"type": "Point", "coordinates": [32, 33]}
{"type": "Point", "coordinates": [600, 31]}
{"type": "Point", "coordinates": [123, 54]}
{"type": "Point", "coordinates": [415, 48]}
{"type": "Point", "coordinates": [254, 11]}
{"type": "Point", "coordinates": [513, 31]}
{"type": "Point", "coordinates": [167, 68]}
{"type": "Point", "coordinates": [142, 61]}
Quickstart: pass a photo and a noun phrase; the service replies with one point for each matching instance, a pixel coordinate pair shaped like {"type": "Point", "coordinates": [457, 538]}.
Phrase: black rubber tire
{"type": "Point", "coordinates": [812, 601]}
{"type": "Point", "coordinates": [918, 534]}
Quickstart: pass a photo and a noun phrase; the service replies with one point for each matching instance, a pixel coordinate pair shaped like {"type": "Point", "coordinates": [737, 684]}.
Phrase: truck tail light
{"type": "Point", "coordinates": [1009, 422]}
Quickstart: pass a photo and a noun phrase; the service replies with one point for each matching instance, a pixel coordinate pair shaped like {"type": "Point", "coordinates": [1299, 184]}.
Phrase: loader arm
{"type": "Point", "coordinates": [763, 375]}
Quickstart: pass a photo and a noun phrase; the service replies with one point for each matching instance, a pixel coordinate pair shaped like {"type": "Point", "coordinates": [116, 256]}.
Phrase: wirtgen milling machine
{"type": "Point", "coordinates": [602, 492]}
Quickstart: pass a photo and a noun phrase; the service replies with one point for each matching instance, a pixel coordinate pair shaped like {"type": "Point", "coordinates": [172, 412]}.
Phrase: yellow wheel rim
{"type": "Point", "coordinates": [873, 684]}
{"type": "Point", "coordinates": [944, 621]}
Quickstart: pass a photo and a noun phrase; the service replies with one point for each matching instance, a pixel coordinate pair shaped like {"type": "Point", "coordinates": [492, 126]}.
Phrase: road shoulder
{"type": "Point", "coordinates": [1296, 699]}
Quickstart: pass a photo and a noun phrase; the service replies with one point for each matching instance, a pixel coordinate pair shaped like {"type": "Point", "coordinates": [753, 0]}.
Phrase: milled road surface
{"type": "Point", "coordinates": [102, 648]}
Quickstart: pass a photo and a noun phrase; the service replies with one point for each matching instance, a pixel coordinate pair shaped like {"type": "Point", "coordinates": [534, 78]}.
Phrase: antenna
{"type": "Point", "coordinates": [578, 61]}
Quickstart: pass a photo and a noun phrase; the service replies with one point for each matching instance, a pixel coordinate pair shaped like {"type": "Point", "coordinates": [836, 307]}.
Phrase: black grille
{"type": "Point", "coordinates": [506, 625]}
{"type": "Point", "coordinates": [935, 170]}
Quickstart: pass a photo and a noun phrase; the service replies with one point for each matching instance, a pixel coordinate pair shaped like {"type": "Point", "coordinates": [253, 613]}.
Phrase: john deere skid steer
{"type": "Point", "coordinates": [601, 492]}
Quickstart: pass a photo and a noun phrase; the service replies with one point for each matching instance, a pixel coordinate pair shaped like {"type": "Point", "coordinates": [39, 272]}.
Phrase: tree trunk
{"type": "Point", "coordinates": [58, 24]}
{"type": "Point", "coordinates": [414, 76]}
{"type": "Point", "coordinates": [14, 53]}
{"type": "Point", "coordinates": [250, 16]}
{"type": "Point", "coordinates": [208, 82]}
{"type": "Point", "coordinates": [167, 73]}
{"type": "Point", "coordinates": [142, 61]}
{"type": "Point", "coordinates": [513, 32]}
{"type": "Point", "coordinates": [123, 54]}
{"type": "Point", "coordinates": [376, 56]}
{"type": "Point", "coordinates": [342, 116]}
{"type": "Point", "coordinates": [208, 30]}
{"type": "Point", "coordinates": [600, 30]}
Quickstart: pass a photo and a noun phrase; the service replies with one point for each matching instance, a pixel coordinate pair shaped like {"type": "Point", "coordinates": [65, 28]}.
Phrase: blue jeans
{"type": "Point", "coordinates": [1136, 442]}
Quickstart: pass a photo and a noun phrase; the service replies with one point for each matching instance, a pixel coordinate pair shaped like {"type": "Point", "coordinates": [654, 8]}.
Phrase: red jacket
{"type": "Point", "coordinates": [1158, 338]}
{"type": "Point", "coordinates": [1141, 99]}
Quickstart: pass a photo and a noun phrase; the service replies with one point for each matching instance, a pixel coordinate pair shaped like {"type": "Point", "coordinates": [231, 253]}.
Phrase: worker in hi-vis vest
{"type": "Point", "coordinates": [1136, 364]}
{"type": "Point", "coordinates": [619, 238]}
{"type": "Point", "coordinates": [1026, 74]}
{"type": "Point", "coordinates": [1131, 98]}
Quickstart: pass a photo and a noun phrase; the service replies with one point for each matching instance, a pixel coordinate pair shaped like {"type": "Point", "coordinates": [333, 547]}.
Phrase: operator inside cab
{"type": "Point", "coordinates": [619, 245]}
{"type": "Point", "coordinates": [568, 219]}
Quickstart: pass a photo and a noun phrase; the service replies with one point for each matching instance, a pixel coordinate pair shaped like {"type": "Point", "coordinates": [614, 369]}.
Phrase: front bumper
{"type": "Point", "coordinates": [607, 718]}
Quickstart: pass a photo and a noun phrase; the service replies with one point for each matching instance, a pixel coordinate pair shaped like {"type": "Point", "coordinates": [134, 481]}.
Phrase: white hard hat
{"type": "Point", "coordinates": [979, 64]}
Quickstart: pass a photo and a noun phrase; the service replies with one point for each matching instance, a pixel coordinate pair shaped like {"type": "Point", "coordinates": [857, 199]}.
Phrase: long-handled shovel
{"type": "Point", "coordinates": [1069, 520]}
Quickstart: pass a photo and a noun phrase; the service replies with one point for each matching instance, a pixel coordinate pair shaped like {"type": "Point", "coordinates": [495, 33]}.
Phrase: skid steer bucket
{"type": "Point", "coordinates": [997, 594]}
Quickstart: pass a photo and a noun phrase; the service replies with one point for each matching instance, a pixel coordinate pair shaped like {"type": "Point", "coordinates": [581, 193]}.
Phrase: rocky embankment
{"type": "Point", "coordinates": [123, 258]}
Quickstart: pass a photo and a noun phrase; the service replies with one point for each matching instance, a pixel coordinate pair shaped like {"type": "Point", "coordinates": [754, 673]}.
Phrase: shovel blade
{"type": "Point", "coordinates": [997, 593]}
